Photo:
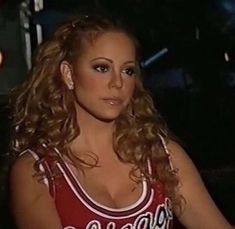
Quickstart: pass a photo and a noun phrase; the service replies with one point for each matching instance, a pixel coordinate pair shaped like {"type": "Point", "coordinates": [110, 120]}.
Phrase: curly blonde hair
{"type": "Point", "coordinates": [44, 111]}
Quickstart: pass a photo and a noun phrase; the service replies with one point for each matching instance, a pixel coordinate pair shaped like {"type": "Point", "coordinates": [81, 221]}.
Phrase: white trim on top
{"type": "Point", "coordinates": [144, 192]}
{"type": "Point", "coordinates": [36, 158]}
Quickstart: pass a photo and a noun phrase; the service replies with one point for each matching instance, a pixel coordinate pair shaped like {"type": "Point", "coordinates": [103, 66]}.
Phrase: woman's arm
{"type": "Point", "coordinates": [31, 203]}
{"type": "Point", "coordinates": [200, 211]}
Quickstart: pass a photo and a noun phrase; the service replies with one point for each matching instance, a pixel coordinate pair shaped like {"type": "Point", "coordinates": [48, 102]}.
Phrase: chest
{"type": "Point", "coordinates": [79, 210]}
{"type": "Point", "coordinates": [87, 201]}
{"type": "Point", "coordinates": [111, 185]}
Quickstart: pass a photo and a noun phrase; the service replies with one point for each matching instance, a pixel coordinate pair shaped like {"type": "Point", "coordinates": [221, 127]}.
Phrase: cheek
{"type": "Point", "coordinates": [130, 87]}
{"type": "Point", "coordinates": [88, 82]}
{"type": "Point", "coordinates": [129, 91]}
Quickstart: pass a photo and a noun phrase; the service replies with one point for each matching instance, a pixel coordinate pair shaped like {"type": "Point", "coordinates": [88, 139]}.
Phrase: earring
{"type": "Point", "coordinates": [70, 85]}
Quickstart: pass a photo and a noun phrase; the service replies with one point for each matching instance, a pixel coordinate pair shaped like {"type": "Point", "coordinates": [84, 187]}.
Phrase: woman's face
{"type": "Point", "coordinates": [104, 76]}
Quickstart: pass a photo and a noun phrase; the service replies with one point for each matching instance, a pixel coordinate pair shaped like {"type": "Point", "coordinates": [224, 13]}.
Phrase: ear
{"type": "Point", "coordinates": [66, 73]}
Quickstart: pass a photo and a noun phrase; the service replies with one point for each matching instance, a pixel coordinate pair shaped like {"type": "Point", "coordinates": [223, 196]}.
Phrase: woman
{"type": "Point", "coordinates": [92, 152]}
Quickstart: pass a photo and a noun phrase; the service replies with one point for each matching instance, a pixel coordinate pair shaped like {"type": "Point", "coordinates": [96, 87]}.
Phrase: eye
{"type": "Point", "coordinates": [102, 68]}
{"type": "Point", "coordinates": [130, 71]}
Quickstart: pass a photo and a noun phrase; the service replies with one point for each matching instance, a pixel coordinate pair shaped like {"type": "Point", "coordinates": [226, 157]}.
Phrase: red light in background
{"type": "Point", "coordinates": [1, 57]}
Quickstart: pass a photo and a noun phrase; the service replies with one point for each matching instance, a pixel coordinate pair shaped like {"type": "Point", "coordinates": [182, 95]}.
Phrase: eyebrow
{"type": "Point", "coordinates": [102, 58]}
{"type": "Point", "coordinates": [111, 61]}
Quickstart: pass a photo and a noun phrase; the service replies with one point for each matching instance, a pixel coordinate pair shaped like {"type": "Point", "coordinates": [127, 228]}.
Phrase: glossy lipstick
{"type": "Point", "coordinates": [114, 101]}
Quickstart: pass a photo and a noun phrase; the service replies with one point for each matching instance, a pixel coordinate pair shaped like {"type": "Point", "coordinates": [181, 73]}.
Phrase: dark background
{"type": "Point", "coordinates": [193, 83]}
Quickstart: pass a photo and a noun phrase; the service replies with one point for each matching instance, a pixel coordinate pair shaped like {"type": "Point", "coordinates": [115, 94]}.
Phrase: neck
{"type": "Point", "coordinates": [94, 133]}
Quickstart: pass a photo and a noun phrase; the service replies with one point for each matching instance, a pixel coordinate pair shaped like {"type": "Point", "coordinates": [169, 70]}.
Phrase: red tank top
{"type": "Point", "coordinates": [77, 210]}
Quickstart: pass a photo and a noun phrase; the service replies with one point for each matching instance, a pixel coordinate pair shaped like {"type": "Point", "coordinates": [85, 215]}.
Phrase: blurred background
{"type": "Point", "coordinates": [188, 50]}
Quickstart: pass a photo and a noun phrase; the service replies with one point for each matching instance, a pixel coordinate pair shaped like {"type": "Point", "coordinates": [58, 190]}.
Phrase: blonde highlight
{"type": "Point", "coordinates": [44, 111]}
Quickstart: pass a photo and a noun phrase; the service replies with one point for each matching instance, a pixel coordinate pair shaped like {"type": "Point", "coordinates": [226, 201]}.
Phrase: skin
{"type": "Point", "coordinates": [104, 71]}
{"type": "Point", "coordinates": [92, 84]}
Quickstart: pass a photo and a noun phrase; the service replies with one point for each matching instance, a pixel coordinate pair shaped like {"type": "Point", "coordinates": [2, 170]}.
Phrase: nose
{"type": "Point", "coordinates": [116, 80]}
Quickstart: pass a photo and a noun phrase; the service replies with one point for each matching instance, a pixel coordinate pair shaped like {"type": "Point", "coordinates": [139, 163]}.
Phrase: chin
{"type": "Point", "coordinates": [108, 118]}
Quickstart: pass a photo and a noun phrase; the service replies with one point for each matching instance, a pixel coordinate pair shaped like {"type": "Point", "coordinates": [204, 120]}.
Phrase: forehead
{"type": "Point", "coordinates": [111, 45]}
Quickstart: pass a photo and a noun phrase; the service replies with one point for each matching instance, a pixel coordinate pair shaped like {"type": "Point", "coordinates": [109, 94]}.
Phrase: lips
{"type": "Point", "coordinates": [113, 101]}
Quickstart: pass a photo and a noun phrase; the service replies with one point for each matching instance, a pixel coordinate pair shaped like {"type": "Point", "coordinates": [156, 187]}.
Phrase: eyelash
{"type": "Point", "coordinates": [127, 71]}
{"type": "Point", "coordinates": [102, 68]}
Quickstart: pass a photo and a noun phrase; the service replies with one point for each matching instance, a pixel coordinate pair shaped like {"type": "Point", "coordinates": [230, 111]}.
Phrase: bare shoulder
{"type": "Point", "coordinates": [180, 158]}
{"type": "Point", "coordinates": [177, 151]}
{"type": "Point", "coordinates": [31, 202]}
{"type": "Point", "coordinates": [22, 172]}
{"type": "Point", "coordinates": [23, 166]}
{"type": "Point", "coordinates": [24, 185]}
{"type": "Point", "coordinates": [183, 164]}
{"type": "Point", "coordinates": [199, 209]}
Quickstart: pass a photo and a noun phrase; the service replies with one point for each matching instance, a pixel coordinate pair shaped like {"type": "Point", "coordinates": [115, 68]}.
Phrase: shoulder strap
{"type": "Point", "coordinates": [167, 153]}
{"type": "Point", "coordinates": [45, 166]}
